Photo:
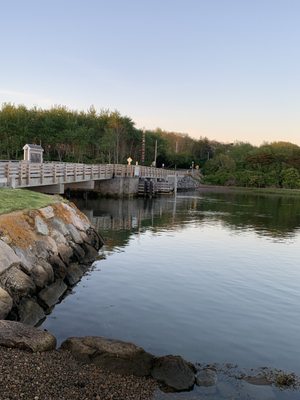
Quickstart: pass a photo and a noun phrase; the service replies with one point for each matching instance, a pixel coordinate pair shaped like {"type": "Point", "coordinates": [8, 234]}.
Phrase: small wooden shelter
{"type": "Point", "coordinates": [33, 153]}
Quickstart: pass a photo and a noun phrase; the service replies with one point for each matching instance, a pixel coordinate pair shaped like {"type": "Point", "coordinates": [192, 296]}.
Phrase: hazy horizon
{"type": "Point", "coordinates": [224, 69]}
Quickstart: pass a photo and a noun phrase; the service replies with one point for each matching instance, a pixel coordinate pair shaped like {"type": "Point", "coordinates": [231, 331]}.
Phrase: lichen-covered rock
{"type": "Point", "coordinates": [7, 257]}
{"type": "Point", "coordinates": [24, 337]}
{"type": "Point", "coordinates": [38, 249]}
{"type": "Point", "coordinates": [174, 372]}
{"type": "Point", "coordinates": [52, 294]}
{"type": "Point", "coordinates": [30, 312]}
{"type": "Point", "coordinates": [77, 219]}
{"type": "Point", "coordinates": [6, 303]}
{"type": "Point", "coordinates": [113, 355]}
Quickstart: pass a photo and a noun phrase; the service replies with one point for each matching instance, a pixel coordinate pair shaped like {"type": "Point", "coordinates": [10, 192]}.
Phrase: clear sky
{"type": "Point", "coordinates": [225, 69]}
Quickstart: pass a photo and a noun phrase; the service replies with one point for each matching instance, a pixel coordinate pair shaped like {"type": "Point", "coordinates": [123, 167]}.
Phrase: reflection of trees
{"type": "Point", "coordinates": [118, 219]}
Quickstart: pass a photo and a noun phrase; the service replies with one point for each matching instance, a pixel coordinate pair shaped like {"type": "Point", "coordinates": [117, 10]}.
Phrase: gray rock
{"type": "Point", "coordinates": [60, 226]}
{"type": "Point", "coordinates": [95, 239]}
{"type": "Point", "coordinates": [113, 355]}
{"type": "Point", "coordinates": [28, 259]}
{"type": "Point", "coordinates": [20, 336]}
{"type": "Point", "coordinates": [17, 283]}
{"type": "Point", "coordinates": [40, 276]}
{"type": "Point", "coordinates": [58, 237]}
{"type": "Point", "coordinates": [75, 235]}
{"type": "Point", "coordinates": [6, 303]}
{"type": "Point", "coordinates": [30, 312]}
{"type": "Point", "coordinates": [7, 257]}
{"type": "Point", "coordinates": [41, 249]}
{"type": "Point", "coordinates": [74, 274]}
{"type": "Point", "coordinates": [52, 294]}
{"type": "Point", "coordinates": [51, 245]}
{"type": "Point", "coordinates": [65, 253]}
{"type": "Point", "coordinates": [40, 226]}
{"type": "Point", "coordinates": [206, 377]}
{"type": "Point", "coordinates": [46, 247]}
{"type": "Point", "coordinates": [174, 372]}
{"type": "Point", "coordinates": [91, 253]}
{"type": "Point", "coordinates": [47, 212]}
{"type": "Point", "coordinates": [59, 267]}
{"type": "Point", "coordinates": [78, 251]}
{"type": "Point", "coordinates": [48, 268]}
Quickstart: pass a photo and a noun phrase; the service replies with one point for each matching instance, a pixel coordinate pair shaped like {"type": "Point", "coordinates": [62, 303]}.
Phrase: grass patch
{"type": "Point", "coordinates": [21, 199]}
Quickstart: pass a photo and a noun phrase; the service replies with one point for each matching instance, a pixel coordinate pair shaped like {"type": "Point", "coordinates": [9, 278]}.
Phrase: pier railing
{"type": "Point", "coordinates": [24, 174]}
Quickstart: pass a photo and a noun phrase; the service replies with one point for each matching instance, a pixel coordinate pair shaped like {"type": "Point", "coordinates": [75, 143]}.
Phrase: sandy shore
{"type": "Point", "coordinates": [56, 375]}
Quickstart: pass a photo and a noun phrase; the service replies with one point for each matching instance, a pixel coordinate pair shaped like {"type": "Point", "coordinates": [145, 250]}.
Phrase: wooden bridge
{"type": "Point", "coordinates": [54, 177]}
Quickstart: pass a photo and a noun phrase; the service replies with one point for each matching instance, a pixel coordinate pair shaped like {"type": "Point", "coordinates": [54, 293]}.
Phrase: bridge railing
{"type": "Point", "coordinates": [24, 174]}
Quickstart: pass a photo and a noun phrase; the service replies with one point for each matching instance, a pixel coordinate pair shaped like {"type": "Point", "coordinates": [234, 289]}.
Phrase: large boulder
{"type": "Point", "coordinates": [58, 266]}
{"type": "Point", "coordinates": [40, 226]}
{"type": "Point", "coordinates": [6, 303]}
{"type": "Point", "coordinates": [91, 254]}
{"type": "Point", "coordinates": [74, 274]}
{"type": "Point", "coordinates": [7, 257]}
{"type": "Point", "coordinates": [174, 372]}
{"type": "Point", "coordinates": [24, 337]}
{"type": "Point", "coordinates": [65, 252]}
{"type": "Point", "coordinates": [47, 212]}
{"type": "Point", "coordinates": [52, 294]}
{"type": "Point", "coordinates": [30, 312]}
{"type": "Point", "coordinates": [17, 283]}
{"type": "Point", "coordinates": [40, 276]}
{"type": "Point", "coordinates": [74, 233]}
{"type": "Point", "coordinates": [113, 355]}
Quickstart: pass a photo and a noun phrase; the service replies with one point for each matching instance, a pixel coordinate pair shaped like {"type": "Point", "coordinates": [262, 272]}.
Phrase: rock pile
{"type": "Point", "coordinates": [172, 372]}
{"type": "Point", "coordinates": [42, 253]}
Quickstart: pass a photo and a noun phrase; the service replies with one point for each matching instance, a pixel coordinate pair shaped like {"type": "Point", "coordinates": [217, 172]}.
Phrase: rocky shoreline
{"type": "Point", "coordinates": [99, 368]}
{"type": "Point", "coordinates": [42, 254]}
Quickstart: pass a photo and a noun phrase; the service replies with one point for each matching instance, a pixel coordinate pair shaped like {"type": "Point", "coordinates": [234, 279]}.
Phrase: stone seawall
{"type": "Point", "coordinates": [42, 253]}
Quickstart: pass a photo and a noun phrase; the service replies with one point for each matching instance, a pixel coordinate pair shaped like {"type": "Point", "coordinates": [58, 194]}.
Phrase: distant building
{"type": "Point", "coordinates": [33, 153]}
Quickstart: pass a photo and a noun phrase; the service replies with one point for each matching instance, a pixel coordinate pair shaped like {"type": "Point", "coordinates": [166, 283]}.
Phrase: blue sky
{"type": "Point", "coordinates": [225, 69]}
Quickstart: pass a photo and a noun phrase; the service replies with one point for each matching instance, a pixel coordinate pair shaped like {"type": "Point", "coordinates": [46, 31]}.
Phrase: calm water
{"type": "Point", "coordinates": [214, 277]}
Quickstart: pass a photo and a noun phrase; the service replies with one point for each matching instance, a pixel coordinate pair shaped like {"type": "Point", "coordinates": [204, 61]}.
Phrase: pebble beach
{"type": "Point", "coordinates": [56, 375]}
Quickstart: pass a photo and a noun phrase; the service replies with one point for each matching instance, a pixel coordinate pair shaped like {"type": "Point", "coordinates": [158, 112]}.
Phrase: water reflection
{"type": "Point", "coordinates": [213, 277]}
{"type": "Point", "coordinates": [272, 216]}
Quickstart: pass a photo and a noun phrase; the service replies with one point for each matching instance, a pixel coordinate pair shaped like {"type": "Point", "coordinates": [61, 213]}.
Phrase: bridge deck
{"type": "Point", "coordinates": [23, 174]}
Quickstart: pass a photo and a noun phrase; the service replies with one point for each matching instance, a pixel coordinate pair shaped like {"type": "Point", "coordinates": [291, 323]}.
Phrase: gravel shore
{"type": "Point", "coordinates": [56, 375]}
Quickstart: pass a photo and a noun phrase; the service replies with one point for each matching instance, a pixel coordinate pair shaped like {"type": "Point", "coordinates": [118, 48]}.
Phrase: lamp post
{"type": "Point", "coordinates": [143, 147]}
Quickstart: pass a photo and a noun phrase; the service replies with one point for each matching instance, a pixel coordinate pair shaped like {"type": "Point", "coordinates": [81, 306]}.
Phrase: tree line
{"type": "Point", "coordinates": [108, 137]}
{"type": "Point", "coordinates": [91, 137]}
{"type": "Point", "coordinates": [274, 164]}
